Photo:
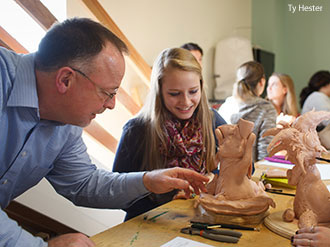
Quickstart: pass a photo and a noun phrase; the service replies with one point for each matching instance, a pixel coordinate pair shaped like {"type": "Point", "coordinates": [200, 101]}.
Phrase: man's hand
{"type": "Point", "coordinates": [71, 240]}
{"type": "Point", "coordinates": [165, 180]}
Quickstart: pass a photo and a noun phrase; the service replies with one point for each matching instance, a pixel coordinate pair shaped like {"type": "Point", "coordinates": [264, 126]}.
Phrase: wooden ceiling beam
{"type": "Point", "coordinates": [101, 135]}
{"type": "Point", "coordinates": [10, 42]}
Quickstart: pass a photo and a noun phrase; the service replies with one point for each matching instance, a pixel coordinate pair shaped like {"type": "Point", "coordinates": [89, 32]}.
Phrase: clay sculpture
{"type": "Point", "coordinates": [312, 201]}
{"type": "Point", "coordinates": [233, 192]}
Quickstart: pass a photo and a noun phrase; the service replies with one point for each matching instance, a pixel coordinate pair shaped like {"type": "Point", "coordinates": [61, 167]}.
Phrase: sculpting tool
{"type": "Point", "coordinates": [215, 229]}
{"type": "Point", "coordinates": [279, 192]}
{"type": "Point", "coordinates": [229, 226]}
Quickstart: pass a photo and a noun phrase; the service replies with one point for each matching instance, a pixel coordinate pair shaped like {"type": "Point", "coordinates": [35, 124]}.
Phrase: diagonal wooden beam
{"type": "Point", "coordinates": [9, 42]}
{"type": "Point", "coordinates": [127, 101]}
{"type": "Point", "coordinates": [100, 134]}
{"type": "Point", "coordinates": [3, 44]}
{"type": "Point", "coordinates": [38, 12]}
{"type": "Point", "coordinates": [99, 12]}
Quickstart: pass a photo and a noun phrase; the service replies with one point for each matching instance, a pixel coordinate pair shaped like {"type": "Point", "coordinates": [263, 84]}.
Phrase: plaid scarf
{"type": "Point", "coordinates": [184, 145]}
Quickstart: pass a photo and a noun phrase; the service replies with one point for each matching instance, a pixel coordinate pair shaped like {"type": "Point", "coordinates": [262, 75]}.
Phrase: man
{"type": "Point", "coordinates": [45, 99]}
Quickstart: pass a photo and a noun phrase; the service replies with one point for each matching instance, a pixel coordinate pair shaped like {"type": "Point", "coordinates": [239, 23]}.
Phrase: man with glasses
{"type": "Point", "coordinates": [45, 99]}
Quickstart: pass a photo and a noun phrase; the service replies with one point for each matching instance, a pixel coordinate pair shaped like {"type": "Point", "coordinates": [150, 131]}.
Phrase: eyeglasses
{"type": "Point", "coordinates": [109, 96]}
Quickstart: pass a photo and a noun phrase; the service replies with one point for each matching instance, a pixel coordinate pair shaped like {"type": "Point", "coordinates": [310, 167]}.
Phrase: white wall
{"type": "Point", "coordinates": [153, 25]}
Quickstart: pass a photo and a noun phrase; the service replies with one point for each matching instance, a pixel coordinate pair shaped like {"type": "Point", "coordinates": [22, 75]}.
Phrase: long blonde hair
{"type": "Point", "coordinates": [248, 76]}
{"type": "Point", "coordinates": [154, 112]}
{"type": "Point", "coordinates": [289, 106]}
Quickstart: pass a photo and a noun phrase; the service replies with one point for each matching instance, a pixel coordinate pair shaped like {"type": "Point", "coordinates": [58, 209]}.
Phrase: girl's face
{"type": "Point", "coordinates": [181, 91]}
{"type": "Point", "coordinates": [275, 89]}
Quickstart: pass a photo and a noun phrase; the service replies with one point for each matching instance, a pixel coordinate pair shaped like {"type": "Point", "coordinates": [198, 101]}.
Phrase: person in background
{"type": "Point", "coordinates": [249, 85]}
{"type": "Point", "coordinates": [175, 127]}
{"type": "Point", "coordinates": [280, 91]}
{"type": "Point", "coordinates": [45, 99]}
{"type": "Point", "coordinates": [316, 96]}
{"type": "Point", "coordinates": [316, 236]}
{"type": "Point", "coordinates": [196, 50]}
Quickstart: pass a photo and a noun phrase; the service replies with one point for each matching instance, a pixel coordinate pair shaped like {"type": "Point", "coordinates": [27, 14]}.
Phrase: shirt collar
{"type": "Point", "coordinates": [24, 92]}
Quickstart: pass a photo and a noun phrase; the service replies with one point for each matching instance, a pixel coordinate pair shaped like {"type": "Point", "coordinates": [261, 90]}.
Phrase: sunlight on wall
{"type": "Point", "coordinates": [58, 8]}
{"type": "Point", "coordinates": [100, 156]}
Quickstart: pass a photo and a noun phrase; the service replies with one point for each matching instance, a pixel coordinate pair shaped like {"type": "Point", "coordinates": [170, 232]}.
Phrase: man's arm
{"type": "Point", "coordinates": [13, 235]}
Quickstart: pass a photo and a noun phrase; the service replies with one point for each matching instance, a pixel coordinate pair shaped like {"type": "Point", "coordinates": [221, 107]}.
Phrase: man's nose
{"type": "Point", "coordinates": [110, 104]}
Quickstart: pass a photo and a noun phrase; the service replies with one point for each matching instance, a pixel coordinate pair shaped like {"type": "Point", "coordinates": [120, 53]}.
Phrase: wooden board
{"type": "Point", "coordinates": [275, 223]}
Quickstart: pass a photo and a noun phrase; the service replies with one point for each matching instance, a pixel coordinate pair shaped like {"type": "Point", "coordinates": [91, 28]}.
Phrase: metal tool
{"type": "Point", "coordinates": [220, 235]}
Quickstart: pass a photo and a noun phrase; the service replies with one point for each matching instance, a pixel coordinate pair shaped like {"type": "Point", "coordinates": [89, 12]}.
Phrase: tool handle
{"type": "Point", "coordinates": [225, 232]}
{"type": "Point", "coordinates": [220, 238]}
{"type": "Point", "coordinates": [205, 234]}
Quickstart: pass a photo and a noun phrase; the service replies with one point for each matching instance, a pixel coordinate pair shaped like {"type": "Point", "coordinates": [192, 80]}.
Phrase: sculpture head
{"type": "Point", "coordinates": [232, 138]}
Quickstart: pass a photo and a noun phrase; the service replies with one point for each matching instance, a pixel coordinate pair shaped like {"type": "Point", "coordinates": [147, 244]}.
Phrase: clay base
{"type": "Point", "coordinates": [201, 215]}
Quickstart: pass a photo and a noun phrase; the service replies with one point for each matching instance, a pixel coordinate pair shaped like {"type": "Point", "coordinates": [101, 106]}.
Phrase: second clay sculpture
{"type": "Point", "coordinates": [312, 201]}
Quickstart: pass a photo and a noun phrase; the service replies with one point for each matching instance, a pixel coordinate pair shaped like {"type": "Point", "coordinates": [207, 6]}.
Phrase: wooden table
{"type": "Point", "coordinates": [143, 232]}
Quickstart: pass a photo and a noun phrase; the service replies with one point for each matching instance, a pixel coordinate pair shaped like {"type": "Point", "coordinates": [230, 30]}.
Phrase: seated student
{"type": "Point", "coordinates": [196, 50]}
{"type": "Point", "coordinates": [280, 91]}
{"type": "Point", "coordinates": [316, 96]}
{"type": "Point", "coordinates": [175, 128]}
{"type": "Point", "coordinates": [246, 91]}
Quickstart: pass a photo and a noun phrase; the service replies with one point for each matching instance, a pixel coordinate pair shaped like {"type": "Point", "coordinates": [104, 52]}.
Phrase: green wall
{"type": "Point", "coordinates": [300, 40]}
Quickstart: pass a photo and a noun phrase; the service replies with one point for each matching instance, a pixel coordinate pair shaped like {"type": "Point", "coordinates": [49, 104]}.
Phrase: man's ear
{"type": "Point", "coordinates": [64, 77]}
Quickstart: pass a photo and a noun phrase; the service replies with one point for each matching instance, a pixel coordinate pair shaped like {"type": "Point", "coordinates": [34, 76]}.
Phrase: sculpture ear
{"type": "Point", "coordinates": [245, 127]}
{"type": "Point", "coordinates": [219, 135]}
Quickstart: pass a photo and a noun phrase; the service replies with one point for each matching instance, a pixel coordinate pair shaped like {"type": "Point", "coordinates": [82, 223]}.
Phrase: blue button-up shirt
{"type": "Point", "coordinates": [32, 148]}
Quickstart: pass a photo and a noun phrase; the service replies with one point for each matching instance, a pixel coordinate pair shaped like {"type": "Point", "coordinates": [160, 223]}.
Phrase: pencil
{"type": "Point", "coordinates": [156, 216]}
{"type": "Point", "coordinates": [280, 193]}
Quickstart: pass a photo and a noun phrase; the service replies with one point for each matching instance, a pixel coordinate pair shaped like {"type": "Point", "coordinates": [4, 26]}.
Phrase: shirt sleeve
{"type": "Point", "coordinates": [13, 235]}
{"type": "Point", "coordinates": [74, 177]}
